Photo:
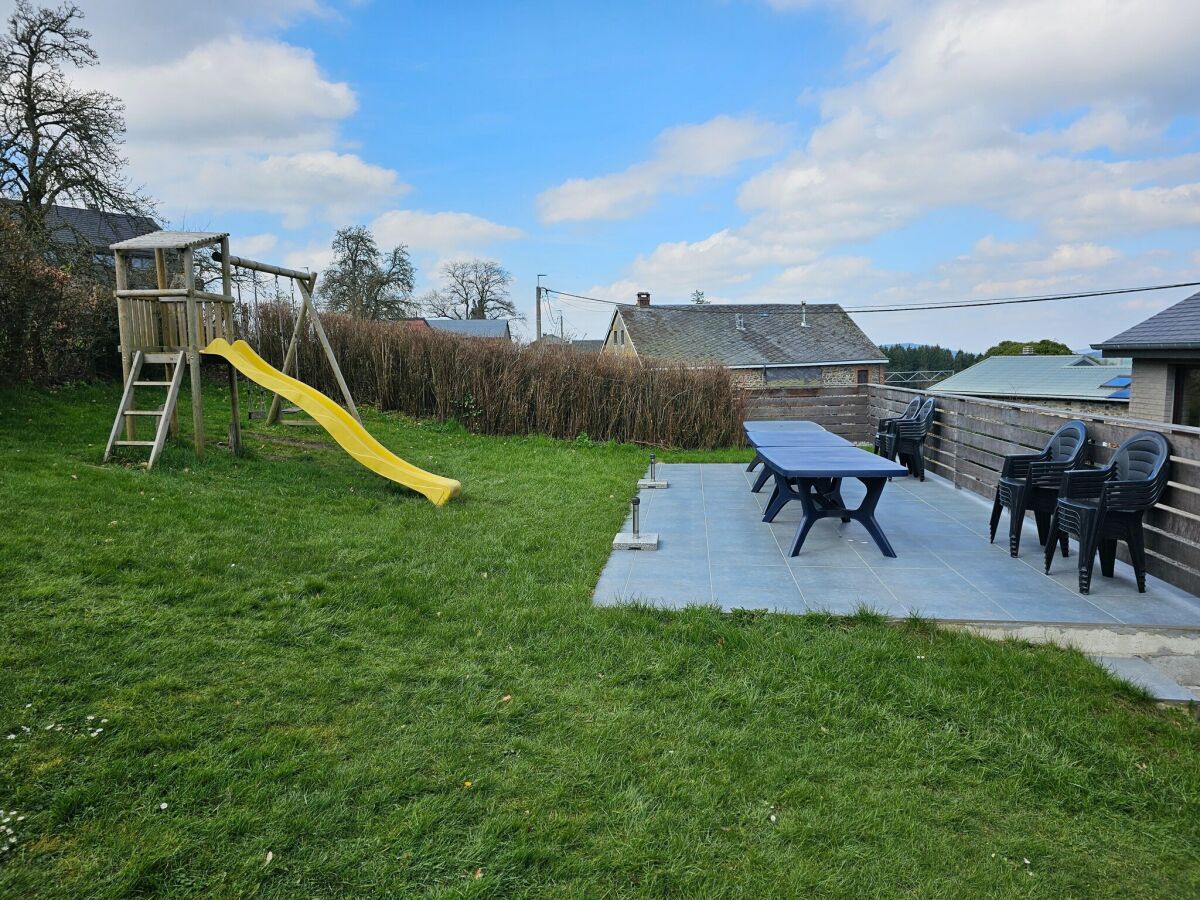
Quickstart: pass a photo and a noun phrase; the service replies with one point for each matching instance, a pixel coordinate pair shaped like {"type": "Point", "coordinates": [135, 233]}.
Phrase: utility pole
{"type": "Point", "coordinates": [538, 315]}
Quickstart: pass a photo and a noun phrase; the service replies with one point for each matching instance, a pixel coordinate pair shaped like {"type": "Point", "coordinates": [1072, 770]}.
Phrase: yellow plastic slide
{"type": "Point", "coordinates": [352, 437]}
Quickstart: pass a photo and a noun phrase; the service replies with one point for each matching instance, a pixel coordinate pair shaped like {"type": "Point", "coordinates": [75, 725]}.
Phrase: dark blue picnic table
{"type": "Point", "coordinates": [780, 438]}
{"type": "Point", "coordinates": [781, 425]}
{"type": "Point", "coordinates": [813, 475]}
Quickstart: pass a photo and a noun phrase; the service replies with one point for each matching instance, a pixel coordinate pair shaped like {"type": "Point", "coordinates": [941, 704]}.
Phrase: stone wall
{"type": "Point", "coordinates": [843, 375]}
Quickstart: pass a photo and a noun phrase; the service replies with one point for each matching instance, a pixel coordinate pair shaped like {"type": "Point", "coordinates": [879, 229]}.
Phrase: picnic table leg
{"type": "Point", "coordinates": [829, 494]}
{"type": "Point", "coordinates": [761, 480]}
{"type": "Point", "coordinates": [809, 517]}
{"type": "Point", "coordinates": [754, 462]}
{"type": "Point", "coordinates": [779, 498]}
{"type": "Point", "coordinates": [865, 514]}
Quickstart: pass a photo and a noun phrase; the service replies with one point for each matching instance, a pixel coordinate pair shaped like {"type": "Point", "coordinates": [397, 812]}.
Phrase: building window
{"type": "Point", "coordinates": [1187, 396]}
{"type": "Point", "coordinates": [864, 376]}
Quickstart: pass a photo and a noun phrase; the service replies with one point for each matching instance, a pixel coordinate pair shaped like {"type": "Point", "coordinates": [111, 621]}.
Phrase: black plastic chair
{"type": "Point", "coordinates": [907, 440]}
{"type": "Point", "coordinates": [885, 426]}
{"type": "Point", "coordinates": [1031, 481]}
{"type": "Point", "coordinates": [1103, 506]}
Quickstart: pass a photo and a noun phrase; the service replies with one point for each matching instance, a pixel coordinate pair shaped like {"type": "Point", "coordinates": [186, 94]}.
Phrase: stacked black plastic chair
{"type": "Point", "coordinates": [1030, 481]}
{"type": "Point", "coordinates": [907, 440]}
{"type": "Point", "coordinates": [1103, 506]}
{"type": "Point", "coordinates": [884, 429]}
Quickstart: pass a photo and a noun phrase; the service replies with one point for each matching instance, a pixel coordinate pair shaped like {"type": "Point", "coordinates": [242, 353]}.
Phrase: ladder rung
{"type": "Point", "coordinates": [135, 443]}
{"type": "Point", "coordinates": [143, 412]}
{"type": "Point", "coordinates": [152, 384]}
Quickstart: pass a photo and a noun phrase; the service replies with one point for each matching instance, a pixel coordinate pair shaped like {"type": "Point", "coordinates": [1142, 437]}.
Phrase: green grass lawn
{"type": "Point", "coordinates": [312, 683]}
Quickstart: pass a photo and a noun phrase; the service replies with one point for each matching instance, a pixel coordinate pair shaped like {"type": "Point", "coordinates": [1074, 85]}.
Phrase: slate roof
{"type": "Point", "coordinates": [478, 328]}
{"type": "Point", "coordinates": [771, 334]}
{"type": "Point", "coordinates": [1074, 377]}
{"type": "Point", "coordinates": [587, 345]}
{"type": "Point", "coordinates": [1175, 328]}
{"type": "Point", "coordinates": [100, 229]}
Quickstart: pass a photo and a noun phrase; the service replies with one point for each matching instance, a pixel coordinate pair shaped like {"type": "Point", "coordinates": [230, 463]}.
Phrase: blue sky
{"type": "Point", "coordinates": [859, 152]}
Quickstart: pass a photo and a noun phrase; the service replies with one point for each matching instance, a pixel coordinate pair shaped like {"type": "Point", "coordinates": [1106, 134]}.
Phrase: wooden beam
{"type": "Point", "coordinates": [290, 358]}
{"type": "Point", "coordinates": [194, 332]}
{"type": "Point", "coordinates": [244, 263]}
{"type": "Point", "coordinates": [235, 423]}
{"type": "Point", "coordinates": [124, 327]}
{"type": "Point", "coordinates": [151, 293]}
{"type": "Point", "coordinates": [337, 370]}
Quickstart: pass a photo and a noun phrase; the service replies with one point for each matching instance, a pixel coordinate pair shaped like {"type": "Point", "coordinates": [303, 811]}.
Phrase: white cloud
{"type": "Point", "coordinates": [231, 91]}
{"type": "Point", "coordinates": [682, 154]}
{"type": "Point", "coordinates": [223, 117]}
{"type": "Point", "coordinates": [446, 233]}
{"type": "Point", "coordinates": [297, 186]}
{"type": "Point", "coordinates": [255, 246]}
{"type": "Point", "coordinates": [991, 106]}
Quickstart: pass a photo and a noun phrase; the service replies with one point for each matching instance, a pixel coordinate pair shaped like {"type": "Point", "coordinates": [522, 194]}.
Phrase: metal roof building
{"type": "Point", "coordinates": [1074, 377]}
{"type": "Point", "coordinates": [496, 329]}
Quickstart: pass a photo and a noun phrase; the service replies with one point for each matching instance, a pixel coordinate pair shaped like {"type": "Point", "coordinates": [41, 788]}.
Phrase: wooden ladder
{"type": "Point", "coordinates": [140, 358]}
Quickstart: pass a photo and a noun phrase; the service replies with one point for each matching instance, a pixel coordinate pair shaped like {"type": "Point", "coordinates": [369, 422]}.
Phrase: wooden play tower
{"type": "Point", "coordinates": [165, 329]}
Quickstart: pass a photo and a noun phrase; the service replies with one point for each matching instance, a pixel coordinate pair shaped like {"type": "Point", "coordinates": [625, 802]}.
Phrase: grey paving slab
{"type": "Point", "coordinates": [1138, 671]}
{"type": "Point", "coordinates": [757, 587]}
{"type": "Point", "coordinates": [715, 549]}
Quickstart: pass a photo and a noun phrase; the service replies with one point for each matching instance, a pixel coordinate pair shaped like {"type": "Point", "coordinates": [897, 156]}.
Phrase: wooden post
{"type": "Point", "coordinates": [194, 336]}
{"type": "Point", "coordinates": [227, 317]}
{"type": "Point", "coordinates": [125, 329]}
{"type": "Point", "coordinates": [305, 288]}
{"type": "Point", "coordinates": [167, 320]}
{"type": "Point", "coordinates": [290, 357]}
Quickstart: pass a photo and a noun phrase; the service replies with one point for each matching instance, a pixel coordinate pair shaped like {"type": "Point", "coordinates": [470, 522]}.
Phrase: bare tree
{"type": "Point", "coordinates": [698, 298]}
{"type": "Point", "coordinates": [366, 283]}
{"type": "Point", "coordinates": [57, 143]}
{"type": "Point", "coordinates": [472, 289]}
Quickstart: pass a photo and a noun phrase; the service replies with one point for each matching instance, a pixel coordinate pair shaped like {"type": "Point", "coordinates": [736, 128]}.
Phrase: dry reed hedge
{"type": "Point", "coordinates": [496, 387]}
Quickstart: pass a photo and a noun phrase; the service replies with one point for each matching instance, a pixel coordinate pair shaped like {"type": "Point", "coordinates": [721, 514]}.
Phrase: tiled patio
{"type": "Point", "coordinates": [714, 549]}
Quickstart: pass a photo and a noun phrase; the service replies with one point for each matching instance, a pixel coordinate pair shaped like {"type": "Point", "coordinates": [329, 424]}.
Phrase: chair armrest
{"type": "Point", "coordinates": [1084, 484]}
{"type": "Point", "coordinates": [1049, 472]}
{"type": "Point", "coordinates": [910, 428]}
{"type": "Point", "coordinates": [1018, 465]}
{"type": "Point", "coordinates": [1130, 495]}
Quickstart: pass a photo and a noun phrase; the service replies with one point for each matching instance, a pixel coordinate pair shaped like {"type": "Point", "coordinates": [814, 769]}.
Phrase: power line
{"type": "Point", "coordinates": [944, 304]}
{"type": "Point", "coordinates": [1003, 301]}
{"type": "Point", "coordinates": [547, 290]}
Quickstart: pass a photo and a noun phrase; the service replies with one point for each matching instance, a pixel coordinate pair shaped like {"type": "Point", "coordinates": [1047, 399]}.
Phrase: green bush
{"type": "Point", "coordinates": [54, 326]}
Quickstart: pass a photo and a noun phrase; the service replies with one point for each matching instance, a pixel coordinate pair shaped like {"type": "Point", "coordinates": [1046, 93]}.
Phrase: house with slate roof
{"type": "Point", "coordinates": [765, 344]}
{"type": "Point", "coordinates": [1076, 382]}
{"type": "Point", "coordinates": [1166, 363]}
{"type": "Point", "coordinates": [69, 225]}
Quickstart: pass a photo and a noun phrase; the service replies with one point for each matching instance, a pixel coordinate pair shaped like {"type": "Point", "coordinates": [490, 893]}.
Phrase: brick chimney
{"type": "Point", "coordinates": [643, 298]}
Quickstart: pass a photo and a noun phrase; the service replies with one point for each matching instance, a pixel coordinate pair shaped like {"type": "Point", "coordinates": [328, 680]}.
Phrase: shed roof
{"type": "Point", "coordinates": [1073, 377]}
{"type": "Point", "coordinates": [171, 240]}
{"type": "Point", "coordinates": [749, 335]}
{"type": "Point", "coordinates": [1175, 328]}
{"type": "Point", "coordinates": [479, 328]}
